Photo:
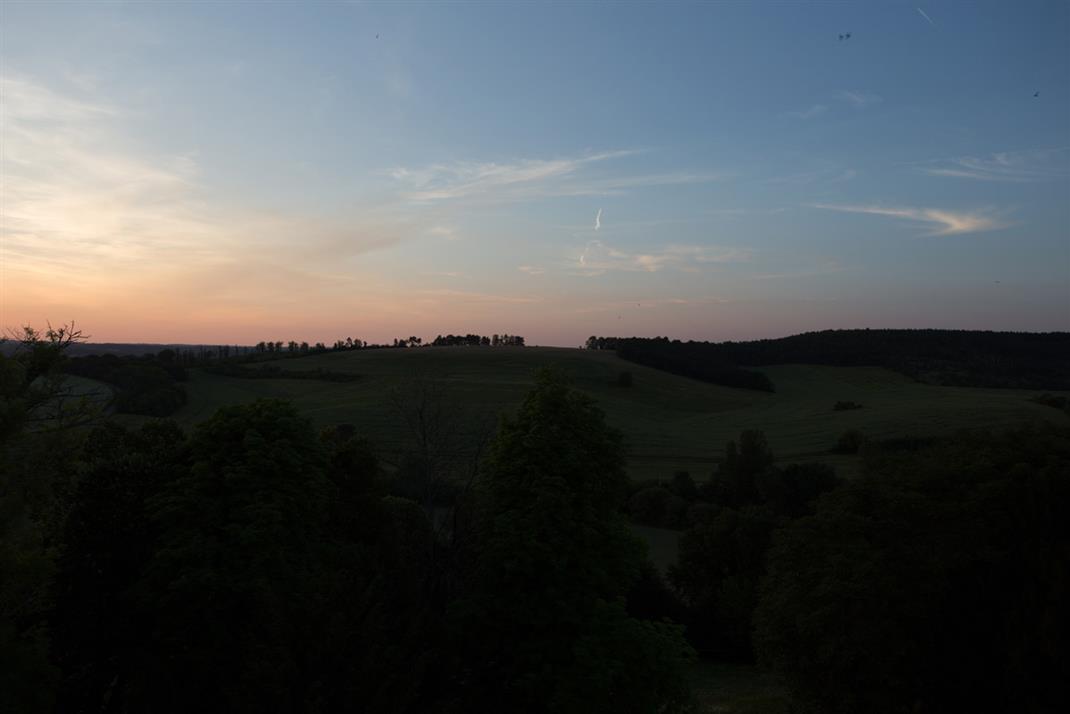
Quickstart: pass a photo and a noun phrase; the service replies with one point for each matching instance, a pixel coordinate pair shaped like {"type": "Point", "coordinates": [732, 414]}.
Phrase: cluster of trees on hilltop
{"type": "Point", "coordinates": [606, 343]}
{"type": "Point", "coordinates": [1023, 360]}
{"type": "Point", "coordinates": [294, 348]}
{"type": "Point", "coordinates": [478, 341]}
{"type": "Point", "coordinates": [350, 343]}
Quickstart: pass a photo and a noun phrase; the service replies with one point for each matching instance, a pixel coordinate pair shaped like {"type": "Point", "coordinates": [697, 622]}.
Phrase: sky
{"type": "Point", "coordinates": [231, 172]}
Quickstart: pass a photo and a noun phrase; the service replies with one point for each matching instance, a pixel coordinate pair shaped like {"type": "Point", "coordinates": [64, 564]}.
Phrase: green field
{"type": "Point", "coordinates": [670, 422]}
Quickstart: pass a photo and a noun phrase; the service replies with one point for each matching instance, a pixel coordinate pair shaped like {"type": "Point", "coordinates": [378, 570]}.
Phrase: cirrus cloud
{"type": "Point", "coordinates": [1008, 166]}
{"type": "Point", "coordinates": [942, 222]}
{"type": "Point", "coordinates": [598, 257]}
{"type": "Point", "coordinates": [528, 179]}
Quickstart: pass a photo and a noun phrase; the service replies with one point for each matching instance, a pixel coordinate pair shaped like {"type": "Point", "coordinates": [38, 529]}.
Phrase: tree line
{"type": "Point", "coordinates": [350, 343]}
{"type": "Point", "coordinates": [687, 359]}
{"type": "Point", "coordinates": [478, 341]}
{"type": "Point", "coordinates": [1022, 360]}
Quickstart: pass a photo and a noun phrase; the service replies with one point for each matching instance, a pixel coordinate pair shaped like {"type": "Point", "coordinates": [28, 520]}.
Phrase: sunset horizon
{"type": "Point", "coordinates": [210, 174]}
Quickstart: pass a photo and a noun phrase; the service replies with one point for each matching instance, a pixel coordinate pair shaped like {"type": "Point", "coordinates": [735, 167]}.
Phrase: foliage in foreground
{"type": "Point", "coordinates": [938, 582]}
{"type": "Point", "coordinates": [543, 625]}
{"type": "Point", "coordinates": [722, 557]}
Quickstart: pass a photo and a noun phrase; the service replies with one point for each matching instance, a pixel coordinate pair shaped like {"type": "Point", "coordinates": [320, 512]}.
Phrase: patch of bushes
{"type": "Point", "coordinates": [849, 442]}
{"type": "Point", "coordinates": [143, 385]}
{"type": "Point", "coordinates": [845, 406]}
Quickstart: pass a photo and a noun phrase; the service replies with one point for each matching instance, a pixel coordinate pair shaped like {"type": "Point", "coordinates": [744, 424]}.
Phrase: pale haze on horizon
{"type": "Point", "coordinates": [233, 172]}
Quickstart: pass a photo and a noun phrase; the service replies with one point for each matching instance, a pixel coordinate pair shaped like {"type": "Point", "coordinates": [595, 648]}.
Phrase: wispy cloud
{"type": "Point", "coordinates": [531, 269]}
{"type": "Point", "coordinates": [527, 179]}
{"type": "Point", "coordinates": [26, 100]}
{"type": "Point", "coordinates": [926, 16]}
{"type": "Point", "coordinates": [598, 257]}
{"type": "Point", "coordinates": [598, 220]}
{"type": "Point", "coordinates": [84, 211]}
{"type": "Point", "coordinates": [860, 99]}
{"type": "Point", "coordinates": [1009, 166]}
{"type": "Point", "coordinates": [466, 296]}
{"type": "Point", "coordinates": [815, 110]}
{"type": "Point", "coordinates": [465, 178]}
{"type": "Point", "coordinates": [447, 232]}
{"type": "Point", "coordinates": [942, 222]}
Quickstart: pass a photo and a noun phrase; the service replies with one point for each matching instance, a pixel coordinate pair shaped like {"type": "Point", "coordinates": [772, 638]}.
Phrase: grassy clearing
{"type": "Point", "coordinates": [670, 422]}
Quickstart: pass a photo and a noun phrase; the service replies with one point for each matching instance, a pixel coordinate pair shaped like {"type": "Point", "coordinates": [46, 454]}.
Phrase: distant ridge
{"type": "Point", "coordinates": [967, 358]}
{"type": "Point", "coordinates": [122, 349]}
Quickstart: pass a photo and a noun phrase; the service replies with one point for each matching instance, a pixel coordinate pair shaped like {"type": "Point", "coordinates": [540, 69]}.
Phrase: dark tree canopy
{"type": "Point", "coordinates": [937, 582]}
{"type": "Point", "coordinates": [1024, 360]}
{"type": "Point", "coordinates": [544, 616]}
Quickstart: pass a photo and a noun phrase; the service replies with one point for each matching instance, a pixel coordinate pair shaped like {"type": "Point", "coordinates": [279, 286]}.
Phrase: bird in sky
{"type": "Point", "coordinates": [377, 35]}
{"type": "Point", "coordinates": [841, 37]}
{"type": "Point", "coordinates": [847, 36]}
{"type": "Point", "coordinates": [1036, 94]}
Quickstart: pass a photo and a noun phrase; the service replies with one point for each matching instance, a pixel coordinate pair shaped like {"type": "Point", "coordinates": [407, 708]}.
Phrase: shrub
{"type": "Point", "coordinates": [849, 442]}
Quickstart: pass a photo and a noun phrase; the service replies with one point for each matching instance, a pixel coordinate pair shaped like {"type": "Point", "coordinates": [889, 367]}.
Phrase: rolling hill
{"type": "Point", "coordinates": [670, 422]}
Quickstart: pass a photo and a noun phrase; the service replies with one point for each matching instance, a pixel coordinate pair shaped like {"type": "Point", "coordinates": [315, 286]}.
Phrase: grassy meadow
{"type": "Point", "coordinates": [670, 422]}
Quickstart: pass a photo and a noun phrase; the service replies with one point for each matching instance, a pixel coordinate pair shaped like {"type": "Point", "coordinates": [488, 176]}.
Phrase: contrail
{"type": "Point", "coordinates": [598, 220]}
{"type": "Point", "coordinates": [926, 17]}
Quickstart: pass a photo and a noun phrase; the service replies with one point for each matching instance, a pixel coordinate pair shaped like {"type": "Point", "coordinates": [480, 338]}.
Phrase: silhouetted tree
{"type": "Point", "coordinates": [543, 624]}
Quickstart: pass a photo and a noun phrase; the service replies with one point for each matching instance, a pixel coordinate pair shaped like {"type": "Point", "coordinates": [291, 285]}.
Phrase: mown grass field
{"type": "Point", "coordinates": [670, 422]}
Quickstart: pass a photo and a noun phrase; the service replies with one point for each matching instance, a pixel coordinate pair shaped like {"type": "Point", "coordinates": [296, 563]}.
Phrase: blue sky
{"type": "Point", "coordinates": [239, 171]}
